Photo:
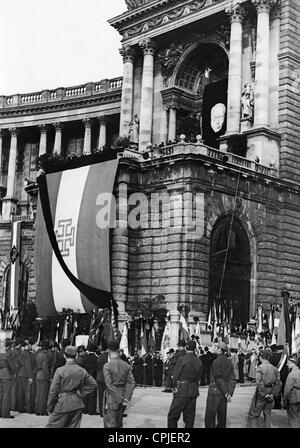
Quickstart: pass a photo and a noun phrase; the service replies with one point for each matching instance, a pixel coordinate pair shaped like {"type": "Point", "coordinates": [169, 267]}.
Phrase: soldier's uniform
{"type": "Point", "coordinates": [25, 380]}
{"type": "Point", "coordinates": [6, 377]}
{"type": "Point", "coordinates": [268, 385]}
{"type": "Point", "coordinates": [222, 385]}
{"type": "Point", "coordinates": [90, 365]}
{"type": "Point", "coordinates": [292, 396]}
{"type": "Point", "coordinates": [185, 382]}
{"type": "Point", "coordinates": [103, 358]}
{"type": "Point", "coordinates": [42, 381]}
{"type": "Point", "coordinates": [119, 382]}
{"type": "Point", "coordinates": [69, 384]}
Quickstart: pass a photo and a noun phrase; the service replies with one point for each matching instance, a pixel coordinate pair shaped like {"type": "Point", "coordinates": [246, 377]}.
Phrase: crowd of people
{"type": "Point", "coordinates": [32, 374]}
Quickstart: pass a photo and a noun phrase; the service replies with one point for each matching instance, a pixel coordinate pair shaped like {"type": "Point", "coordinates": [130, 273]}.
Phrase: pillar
{"type": "Point", "coordinates": [87, 136]}
{"type": "Point", "coordinates": [9, 202]}
{"type": "Point", "coordinates": [127, 90]}
{"type": "Point", "coordinates": [58, 135]}
{"type": "Point", "coordinates": [1, 151]}
{"type": "Point", "coordinates": [235, 13]}
{"type": "Point", "coordinates": [146, 111]}
{"type": "Point", "coordinates": [43, 139]}
{"type": "Point", "coordinates": [172, 124]}
{"type": "Point", "coordinates": [102, 132]}
{"type": "Point", "coordinates": [261, 99]}
{"type": "Point", "coordinates": [274, 66]}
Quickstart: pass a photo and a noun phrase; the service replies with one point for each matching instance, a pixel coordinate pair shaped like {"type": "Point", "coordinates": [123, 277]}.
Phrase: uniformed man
{"type": "Point", "coordinates": [292, 392]}
{"type": "Point", "coordinates": [185, 382]}
{"type": "Point", "coordinates": [25, 379]}
{"type": "Point", "coordinates": [279, 360]}
{"type": "Point", "coordinates": [14, 353]}
{"type": "Point", "coordinates": [119, 382]}
{"type": "Point", "coordinates": [102, 359]}
{"type": "Point", "coordinates": [70, 383]}
{"type": "Point", "coordinates": [158, 370]}
{"type": "Point", "coordinates": [6, 377]}
{"type": "Point", "coordinates": [268, 385]}
{"type": "Point", "coordinates": [90, 365]}
{"type": "Point", "coordinates": [168, 370]}
{"type": "Point", "coordinates": [220, 390]}
{"type": "Point", "coordinates": [42, 380]}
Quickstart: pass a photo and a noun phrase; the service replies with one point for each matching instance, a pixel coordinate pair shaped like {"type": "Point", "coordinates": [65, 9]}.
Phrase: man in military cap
{"type": "Point", "coordinates": [119, 382]}
{"type": "Point", "coordinates": [25, 379]}
{"type": "Point", "coordinates": [168, 370]}
{"type": "Point", "coordinates": [268, 385]}
{"type": "Point", "coordinates": [6, 377]}
{"type": "Point", "coordinates": [220, 390]}
{"type": "Point", "coordinates": [70, 383]}
{"type": "Point", "coordinates": [185, 382]}
{"type": "Point", "coordinates": [42, 379]}
{"type": "Point", "coordinates": [90, 365]}
{"type": "Point", "coordinates": [278, 359]}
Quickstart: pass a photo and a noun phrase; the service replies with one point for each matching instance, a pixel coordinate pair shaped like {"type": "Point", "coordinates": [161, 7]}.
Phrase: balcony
{"type": "Point", "coordinates": [210, 155]}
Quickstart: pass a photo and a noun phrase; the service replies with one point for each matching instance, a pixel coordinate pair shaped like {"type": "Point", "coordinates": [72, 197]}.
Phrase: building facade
{"type": "Point", "coordinates": [209, 105]}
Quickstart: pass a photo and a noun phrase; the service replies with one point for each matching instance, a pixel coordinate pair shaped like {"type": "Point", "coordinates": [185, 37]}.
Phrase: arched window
{"type": "Point", "coordinates": [230, 268]}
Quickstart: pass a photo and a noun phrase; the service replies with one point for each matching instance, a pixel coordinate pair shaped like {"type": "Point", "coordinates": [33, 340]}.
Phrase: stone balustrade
{"type": "Point", "coordinates": [183, 148]}
{"type": "Point", "coordinates": [60, 94]}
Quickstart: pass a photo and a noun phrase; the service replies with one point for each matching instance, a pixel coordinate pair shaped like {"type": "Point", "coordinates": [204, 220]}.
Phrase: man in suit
{"type": "Point", "coordinates": [90, 365]}
{"type": "Point", "coordinates": [220, 390]}
{"type": "Point", "coordinates": [158, 370]}
{"type": "Point", "coordinates": [119, 382]}
{"type": "Point", "coordinates": [206, 359]}
{"type": "Point", "coordinates": [185, 382]}
{"type": "Point", "coordinates": [42, 380]}
{"type": "Point", "coordinates": [70, 383]}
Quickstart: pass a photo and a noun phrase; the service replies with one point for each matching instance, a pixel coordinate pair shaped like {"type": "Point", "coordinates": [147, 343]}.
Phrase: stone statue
{"type": "Point", "coordinates": [217, 117]}
{"type": "Point", "coordinates": [247, 101]}
{"type": "Point", "coordinates": [134, 129]}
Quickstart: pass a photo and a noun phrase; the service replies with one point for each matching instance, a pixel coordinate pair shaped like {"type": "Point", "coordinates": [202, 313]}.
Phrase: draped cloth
{"type": "Point", "coordinates": [71, 250]}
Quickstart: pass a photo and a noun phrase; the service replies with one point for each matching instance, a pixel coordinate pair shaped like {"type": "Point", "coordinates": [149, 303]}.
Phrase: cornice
{"type": "Point", "coordinates": [173, 16]}
{"type": "Point", "coordinates": [75, 103]}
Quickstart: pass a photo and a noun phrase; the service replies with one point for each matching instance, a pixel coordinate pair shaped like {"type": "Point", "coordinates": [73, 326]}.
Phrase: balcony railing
{"type": "Point", "coordinates": [61, 94]}
{"type": "Point", "coordinates": [210, 154]}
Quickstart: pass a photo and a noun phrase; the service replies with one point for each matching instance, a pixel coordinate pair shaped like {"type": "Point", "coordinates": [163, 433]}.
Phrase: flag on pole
{"type": "Point", "coordinates": [273, 341]}
{"type": "Point", "coordinates": [297, 335]}
{"type": "Point", "coordinates": [276, 320]}
{"type": "Point", "coordinates": [165, 342]}
{"type": "Point", "coordinates": [144, 347]}
{"type": "Point", "coordinates": [57, 331]}
{"type": "Point", "coordinates": [209, 321]}
{"type": "Point", "coordinates": [215, 319]}
{"type": "Point", "coordinates": [281, 339]}
{"type": "Point", "coordinates": [152, 340]}
{"type": "Point", "coordinates": [65, 329]}
{"type": "Point", "coordinates": [96, 321]}
{"type": "Point", "coordinates": [75, 325]}
{"type": "Point", "coordinates": [271, 320]}
{"type": "Point", "coordinates": [114, 325]}
{"type": "Point", "coordinates": [184, 330]}
{"type": "Point", "coordinates": [39, 334]}
{"type": "Point", "coordinates": [259, 319]}
{"type": "Point", "coordinates": [198, 332]}
{"type": "Point", "coordinates": [124, 339]}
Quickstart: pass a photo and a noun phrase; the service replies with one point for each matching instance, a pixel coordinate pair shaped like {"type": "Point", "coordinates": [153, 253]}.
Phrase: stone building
{"type": "Point", "coordinates": [240, 158]}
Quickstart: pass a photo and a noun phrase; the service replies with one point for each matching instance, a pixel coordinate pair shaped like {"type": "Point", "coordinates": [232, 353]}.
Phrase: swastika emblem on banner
{"type": "Point", "coordinates": [65, 235]}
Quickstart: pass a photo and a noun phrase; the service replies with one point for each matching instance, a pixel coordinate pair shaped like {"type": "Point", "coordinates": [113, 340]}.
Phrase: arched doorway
{"type": "Point", "coordinates": [202, 80]}
{"type": "Point", "coordinates": [229, 275]}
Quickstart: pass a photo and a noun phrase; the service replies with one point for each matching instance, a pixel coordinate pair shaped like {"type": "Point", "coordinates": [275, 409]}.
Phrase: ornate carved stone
{"type": "Point", "coordinates": [127, 54]}
{"type": "Point", "coordinates": [42, 128]}
{"type": "Point", "coordinates": [87, 122]}
{"type": "Point", "coordinates": [222, 33]}
{"type": "Point", "coordinates": [263, 5]}
{"type": "Point", "coordinates": [133, 4]}
{"type": "Point", "coordinates": [235, 12]}
{"type": "Point", "coordinates": [169, 58]}
{"type": "Point", "coordinates": [57, 126]}
{"type": "Point", "coordinates": [147, 46]}
{"type": "Point", "coordinates": [13, 132]}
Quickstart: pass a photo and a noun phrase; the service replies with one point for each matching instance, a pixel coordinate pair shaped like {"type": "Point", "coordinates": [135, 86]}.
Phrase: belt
{"type": "Point", "coordinates": [63, 394]}
{"type": "Point", "coordinates": [270, 385]}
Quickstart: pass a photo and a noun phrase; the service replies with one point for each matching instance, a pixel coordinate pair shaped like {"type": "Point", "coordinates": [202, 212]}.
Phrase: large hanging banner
{"type": "Point", "coordinates": [71, 252]}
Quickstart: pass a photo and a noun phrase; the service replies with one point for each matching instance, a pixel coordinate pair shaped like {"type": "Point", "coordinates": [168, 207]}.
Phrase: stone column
{"type": "Point", "coordinates": [9, 202]}
{"type": "Point", "coordinates": [172, 124]}
{"type": "Point", "coordinates": [274, 66]}
{"type": "Point", "coordinates": [261, 99]}
{"type": "Point", "coordinates": [87, 135]}
{"type": "Point", "coordinates": [235, 13]}
{"type": "Point", "coordinates": [58, 135]}
{"type": "Point", "coordinates": [43, 139]}
{"type": "Point", "coordinates": [102, 131]}
{"type": "Point", "coordinates": [146, 112]}
{"type": "Point", "coordinates": [127, 90]}
{"type": "Point", "coordinates": [1, 152]}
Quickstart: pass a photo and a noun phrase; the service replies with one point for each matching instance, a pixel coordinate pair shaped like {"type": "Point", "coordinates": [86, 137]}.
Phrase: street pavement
{"type": "Point", "coordinates": [149, 408]}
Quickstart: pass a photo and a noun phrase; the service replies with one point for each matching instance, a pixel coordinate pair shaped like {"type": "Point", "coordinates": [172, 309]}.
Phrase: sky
{"type": "Point", "coordinates": [47, 44]}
